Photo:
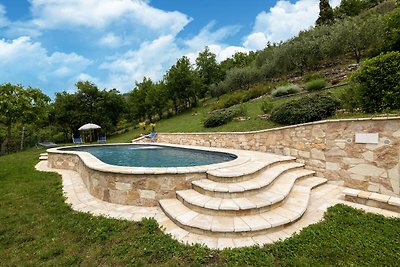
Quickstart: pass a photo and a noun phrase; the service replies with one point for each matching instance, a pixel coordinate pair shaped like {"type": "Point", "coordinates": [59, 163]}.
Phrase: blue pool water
{"type": "Point", "coordinates": [153, 155]}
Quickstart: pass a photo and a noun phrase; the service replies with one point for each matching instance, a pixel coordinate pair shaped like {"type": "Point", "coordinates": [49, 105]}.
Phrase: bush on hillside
{"type": "Point", "coordinates": [306, 109]}
{"type": "Point", "coordinates": [255, 92]}
{"type": "Point", "coordinates": [315, 85]}
{"type": "Point", "coordinates": [241, 96]}
{"type": "Point", "coordinates": [313, 76]}
{"type": "Point", "coordinates": [285, 90]}
{"type": "Point", "coordinates": [267, 105]}
{"type": "Point", "coordinates": [222, 116]}
{"type": "Point", "coordinates": [241, 78]}
{"type": "Point", "coordinates": [350, 98]}
{"type": "Point", "coordinates": [378, 80]}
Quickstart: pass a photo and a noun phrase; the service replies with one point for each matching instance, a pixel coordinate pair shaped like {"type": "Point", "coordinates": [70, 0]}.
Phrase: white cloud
{"type": "Point", "coordinates": [111, 40]}
{"type": "Point", "coordinates": [101, 13]}
{"type": "Point", "coordinates": [206, 36]}
{"type": "Point", "coordinates": [3, 19]}
{"type": "Point", "coordinates": [26, 62]}
{"type": "Point", "coordinates": [151, 59]}
{"type": "Point", "coordinates": [255, 41]}
{"type": "Point", "coordinates": [283, 21]}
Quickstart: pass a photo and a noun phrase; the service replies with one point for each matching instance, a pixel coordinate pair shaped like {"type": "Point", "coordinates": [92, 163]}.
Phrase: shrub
{"type": "Point", "coordinates": [267, 105]}
{"type": "Point", "coordinates": [315, 85]}
{"type": "Point", "coordinates": [241, 96]}
{"type": "Point", "coordinates": [285, 90]}
{"type": "Point", "coordinates": [379, 82]}
{"type": "Point", "coordinates": [313, 76]}
{"type": "Point", "coordinates": [255, 92]}
{"type": "Point", "coordinates": [350, 98]}
{"type": "Point", "coordinates": [306, 109]}
{"type": "Point", "coordinates": [222, 116]}
{"type": "Point", "coordinates": [240, 78]}
{"type": "Point", "coordinates": [233, 99]}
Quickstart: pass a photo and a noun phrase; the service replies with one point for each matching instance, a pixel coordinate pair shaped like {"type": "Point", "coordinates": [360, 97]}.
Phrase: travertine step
{"type": "Point", "coordinates": [248, 170]}
{"type": "Point", "coordinates": [44, 154]}
{"type": "Point", "coordinates": [246, 225]}
{"type": "Point", "coordinates": [263, 200]}
{"type": "Point", "coordinates": [244, 188]}
{"type": "Point", "coordinates": [43, 158]}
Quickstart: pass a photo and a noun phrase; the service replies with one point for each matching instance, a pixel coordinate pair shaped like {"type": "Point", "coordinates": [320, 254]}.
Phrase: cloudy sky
{"type": "Point", "coordinates": [52, 44]}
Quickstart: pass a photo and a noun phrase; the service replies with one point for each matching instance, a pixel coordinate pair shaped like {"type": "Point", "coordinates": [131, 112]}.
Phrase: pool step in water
{"type": "Point", "coordinates": [254, 202]}
{"type": "Point", "coordinates": [243, 225]}
{"type": "Point", "coordinates": [245, 188]}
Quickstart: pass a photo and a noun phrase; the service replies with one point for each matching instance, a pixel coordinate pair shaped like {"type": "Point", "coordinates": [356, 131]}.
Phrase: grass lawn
{"type": "Point", "coordinates": [38, 228]}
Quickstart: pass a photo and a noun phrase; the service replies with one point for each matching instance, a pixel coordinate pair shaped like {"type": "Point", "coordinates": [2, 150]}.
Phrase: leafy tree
{"type": "Point", "coordinates": [379, 82]}
{"type": "Point", "coordinates": [66, 112]}
{"type": "Point", "coordinates": [156, 99]}
{"type": "Point", "coordinates": [182, 84]}
{"type": "Point", "coordinates": [392, 20]}
{"type": "Point", "coordinates": [139, 107]}
{"type": "Point", "coordinates": [241, 78]}
{"type": "Point", "coordinates": [20, 105]}
{"type": "Point", "coordinates": [208, 69]}
{"type": "Point", "coordinates": [358, 34]}
{"type": "Point", "coordinates": [238, 60]}
{"type": "Point", "coordinates": [303, 51]}
{"type": "Point", "coordinates": [88, 104]}
{"type": "Point", "coordinates": [350, 8]}
{"type": "Point", "coordinates": [326, 15]}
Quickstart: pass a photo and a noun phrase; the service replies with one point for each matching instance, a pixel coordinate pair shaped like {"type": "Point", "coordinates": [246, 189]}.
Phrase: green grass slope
{"type": "Point", "coordinates": [38, 229]}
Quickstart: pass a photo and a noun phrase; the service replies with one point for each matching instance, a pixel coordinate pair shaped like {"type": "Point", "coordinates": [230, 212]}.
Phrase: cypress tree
{"type": "Point", "coordinates": [326, 15]}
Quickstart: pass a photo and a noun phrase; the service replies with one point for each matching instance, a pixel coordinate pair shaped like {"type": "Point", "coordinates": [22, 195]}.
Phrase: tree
{"type": "Point", "coordinates": [182, 83]}
{"type": "Point", "coordinates": [140, 108]}
{"type": "Point", "coordinates": [20, 105]}
{"type": "Point", "coordinates": [208, 69]}
{"type": "Point", "coordinates": [66, 112]}
{"type": "Point", "coordinates": [392, 20]}
{"type": "Point", "coordinates": [88, 104]}
{"type": "Point", "coordinates": [358, 34]}
{"type": "Point", "coordinates": [350, 8]}
{"type": "Point", "coordinates": [241, 78]}
{"type": "Point", "coordinates": [238, 60]}
{"type": "Point", "coordinates": [326, 15]}
{"type": "Point", "coordinates": [156, 99]}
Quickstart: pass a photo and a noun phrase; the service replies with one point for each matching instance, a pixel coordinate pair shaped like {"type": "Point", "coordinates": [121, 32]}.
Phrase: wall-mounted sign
{"type": "Point", "coordinates": [367, 138]}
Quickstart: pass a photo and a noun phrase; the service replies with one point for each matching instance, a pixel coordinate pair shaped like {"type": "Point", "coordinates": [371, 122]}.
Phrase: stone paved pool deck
{"type": "Point", "coordinates": [321, 198]}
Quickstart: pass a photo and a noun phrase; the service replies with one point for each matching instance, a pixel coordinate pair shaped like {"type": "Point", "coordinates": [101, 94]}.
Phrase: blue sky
{"type": "Point", "coordinates": [52, 44]}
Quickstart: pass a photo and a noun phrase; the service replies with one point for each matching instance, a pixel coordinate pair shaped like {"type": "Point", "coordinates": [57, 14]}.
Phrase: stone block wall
{"type": "Point", "coordinates": [328, 147]}
{"type": "Point", "coordinates": [127, 189]}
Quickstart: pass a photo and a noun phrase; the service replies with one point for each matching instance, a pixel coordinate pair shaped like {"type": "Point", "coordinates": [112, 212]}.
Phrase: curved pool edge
{"type": "Point", "coordinates": [94, 163]}
{"type": "Point", "coordinates": [136, 185]}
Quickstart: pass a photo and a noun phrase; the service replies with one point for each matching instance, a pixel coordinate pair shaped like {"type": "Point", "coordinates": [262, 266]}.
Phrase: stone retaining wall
{"type": "Point", "coordinates": [328, 147]}
{"type": "Point", "coordinates": [127, 189]}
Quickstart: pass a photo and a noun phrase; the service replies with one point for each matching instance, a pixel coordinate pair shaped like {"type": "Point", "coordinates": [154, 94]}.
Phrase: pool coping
{"type": "Point", "coordinates": [94, 163]}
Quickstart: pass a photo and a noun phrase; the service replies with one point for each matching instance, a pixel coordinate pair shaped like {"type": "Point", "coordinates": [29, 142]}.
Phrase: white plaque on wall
{"type": "Point", "coordinates": [367, 138]}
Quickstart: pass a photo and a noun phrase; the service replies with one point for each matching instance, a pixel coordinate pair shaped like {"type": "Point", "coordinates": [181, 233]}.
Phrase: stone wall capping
{"type": "Point", "coordinates": [394, 201]}
{"type": "Point", "coordinates": [351, 192]}
{"type": "Point", "coordinates": [373, 199]}
{"type": "Point", "coordinates": [279, 128]}
{"type": "Point", "coordinates": [379, 197]}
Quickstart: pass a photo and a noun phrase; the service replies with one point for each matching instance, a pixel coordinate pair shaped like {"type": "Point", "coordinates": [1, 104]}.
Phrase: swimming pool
{"type": "Point", "coordinates": [141, 174]}
{"type": "Point", "coordinates": [153, 155]}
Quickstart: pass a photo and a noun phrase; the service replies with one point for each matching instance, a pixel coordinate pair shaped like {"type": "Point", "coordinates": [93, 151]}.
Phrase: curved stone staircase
{"type": "Point", "coordinates": [260, 196]}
